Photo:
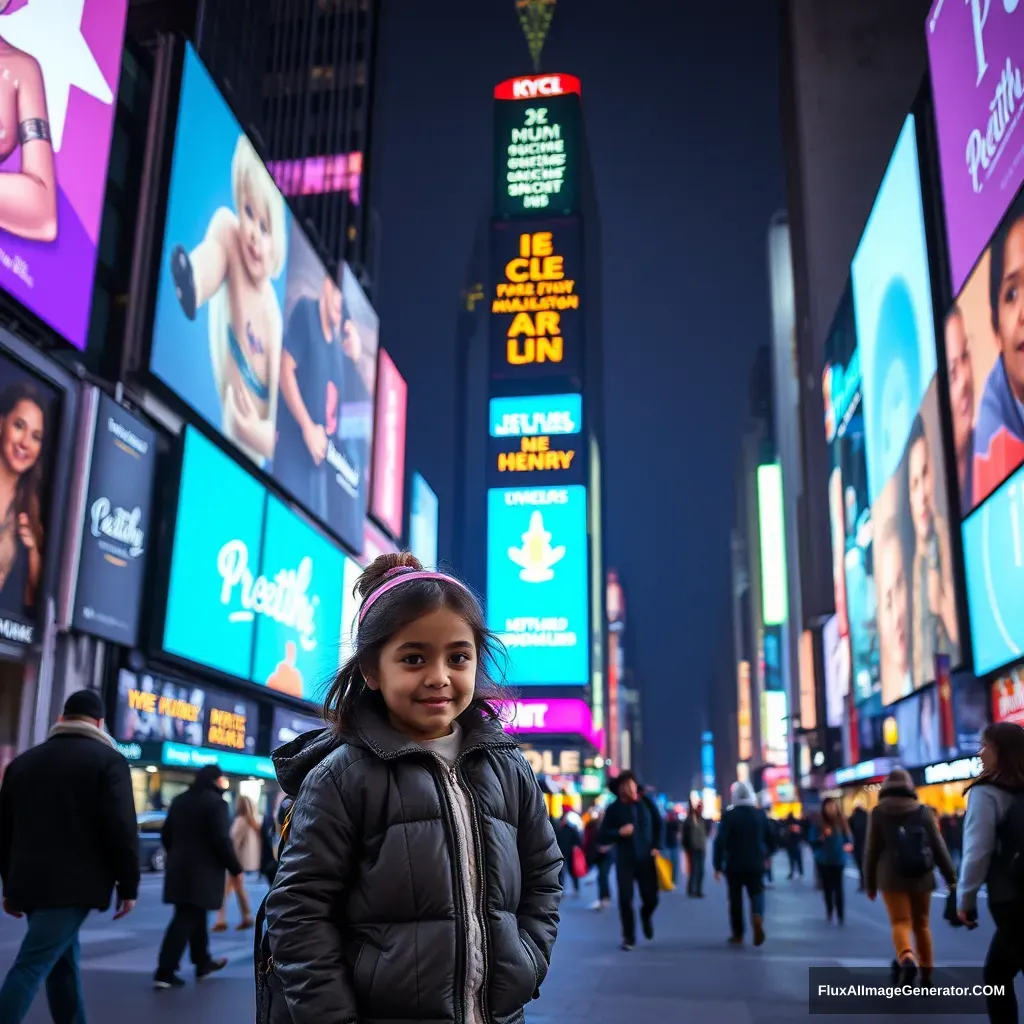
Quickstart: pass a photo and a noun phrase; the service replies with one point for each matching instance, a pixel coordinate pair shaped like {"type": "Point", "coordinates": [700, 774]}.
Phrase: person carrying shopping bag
{"type": "Point", "coordinates": [903, 849]}
{"type": "Point", "coordinates": [247, 840]}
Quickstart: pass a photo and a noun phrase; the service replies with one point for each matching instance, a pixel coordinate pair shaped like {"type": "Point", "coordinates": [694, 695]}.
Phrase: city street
{"type": "Point", "coordinates": [688, 974]}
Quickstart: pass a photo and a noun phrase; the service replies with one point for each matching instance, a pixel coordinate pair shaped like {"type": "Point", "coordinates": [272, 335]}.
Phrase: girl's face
{"type": "Point", "coordinates": [988, 756]}
{"type": "Point", "coordinates": [1010, 314]}
{"type": "Point", "coordinates": [427, 674]}
{"type": "Point", "coordinates": [21, 437]}
{"type": "Point", "coordinates": [257, 241]}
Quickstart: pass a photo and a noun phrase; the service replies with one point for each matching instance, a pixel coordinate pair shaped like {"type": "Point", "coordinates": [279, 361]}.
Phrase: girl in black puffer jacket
{"type": "Point", "coordinates": [419, 875]}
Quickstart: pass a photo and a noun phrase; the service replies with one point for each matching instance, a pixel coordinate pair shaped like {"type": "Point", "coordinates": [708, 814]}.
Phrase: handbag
{"type": "Point", "coordinates": [664, 870]}
{"type": "Point", "coordinates": [579, 866]}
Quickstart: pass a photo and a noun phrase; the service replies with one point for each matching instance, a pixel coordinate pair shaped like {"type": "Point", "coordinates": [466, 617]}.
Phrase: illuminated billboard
{"type": "Point", "coordinates": [536, 319]}
{"type": "Point", "coordinates": [744, 712]}
{"type": "Point", "coordinates": [808, 682]}
{"type": "Point", "coordinates": [387, 493]}
{"type": "Point", "coordinates": [536, 146]}
{"type": "Point", "coordinates": [774, 733]}
{"type": "Point", "coordinates": [537, 598]}
{"type": "Point", "coordinates": [423, 516]}
{"type": "Point", "coordinates": [774, 597]}
{"type": "Point", "coordinates": [537, 437]}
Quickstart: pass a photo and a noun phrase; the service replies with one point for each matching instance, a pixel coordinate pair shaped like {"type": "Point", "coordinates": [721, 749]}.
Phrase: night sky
{"type": "Point", "coordinates": [681, 107]}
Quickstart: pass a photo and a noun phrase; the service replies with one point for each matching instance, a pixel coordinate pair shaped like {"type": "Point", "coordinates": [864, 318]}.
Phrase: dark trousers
{"type": "Point", "coordinates": [187, 928]}
{"type": "Point", "coordinates": [672, 856]}
{"type": "Point", "coordinates": [753, 883]}
{"type": "Point", "coordinates": [567, 875]}
{"type": "Point", "coordinates": [832, 888]}
{"type": "Point", "coordinates": [48, 954]}
{"type": "Point", "coordinates": [630, 871]}
{"type": "Point", "coordinates": [768, 867]}
{"type": "Point", "coordinates": [796, 860]}
{"type": "Point", "coordinates": [604, 868]}
{"type": "Point", "coordinates": [1005, 960]}
{"type": "Point", "coordinates": [858, 856]}
{"type": "Point", "coordinates": [695, 884]}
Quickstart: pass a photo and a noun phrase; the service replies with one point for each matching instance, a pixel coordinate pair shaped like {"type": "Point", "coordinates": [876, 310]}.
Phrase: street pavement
{"type": "Point", "coordinates": [689, 973]}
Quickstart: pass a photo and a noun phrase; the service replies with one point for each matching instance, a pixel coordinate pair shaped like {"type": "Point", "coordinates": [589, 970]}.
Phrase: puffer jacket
{"type": "Point", "coordinates": [363, 920]}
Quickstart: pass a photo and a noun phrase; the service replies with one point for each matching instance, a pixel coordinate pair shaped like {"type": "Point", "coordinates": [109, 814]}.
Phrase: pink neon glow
{"type": "Point", "coordinates": [318, 175]}
{"type": "Point", "coordinates": [375, 542]}
{"type": "Point", "coordinates": [567, 716]}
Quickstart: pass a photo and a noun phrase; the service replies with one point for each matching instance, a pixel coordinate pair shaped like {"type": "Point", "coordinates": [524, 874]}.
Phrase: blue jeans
{"type": "Point", "coordinates": [49, 953]}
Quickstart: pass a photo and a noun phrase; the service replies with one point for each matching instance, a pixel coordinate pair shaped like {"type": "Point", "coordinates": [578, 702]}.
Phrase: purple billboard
{"type": "Point", "coordinates": [59, 65]}
{"type": "Point", "coordinates": [975, 51]}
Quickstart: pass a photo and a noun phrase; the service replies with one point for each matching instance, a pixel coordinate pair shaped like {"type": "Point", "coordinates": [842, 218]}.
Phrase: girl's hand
{"type": "Point", "coordinates": [848, 847]}
{"type": "Point", "coordinates": [25, 534]}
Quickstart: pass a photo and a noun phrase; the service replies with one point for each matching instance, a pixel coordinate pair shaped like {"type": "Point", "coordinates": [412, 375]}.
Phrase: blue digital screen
{"type": "Point", "coordinates": [254, 591]}
{"type": "Point", "coordinates": [536, 415]}
{"type": "Point", "coordinates": [423, 510]}
{"type": "Point", "coordinates": [537, 582]}
{"type": "Point", "coordinates": [993, 538]}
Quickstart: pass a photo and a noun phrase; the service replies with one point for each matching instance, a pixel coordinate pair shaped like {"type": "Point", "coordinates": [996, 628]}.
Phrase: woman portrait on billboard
{"type": "Point", "coordinates": [28, 196]}
{"type": "Point", "coordinates": [22, 438]}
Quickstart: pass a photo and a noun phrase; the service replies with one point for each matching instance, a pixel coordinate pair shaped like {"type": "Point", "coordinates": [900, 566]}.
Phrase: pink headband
{"type": "Point", "coordinates": [399, 575]}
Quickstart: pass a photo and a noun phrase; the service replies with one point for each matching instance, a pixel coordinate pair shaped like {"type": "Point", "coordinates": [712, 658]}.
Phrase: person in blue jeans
{"type": "Point", "coordinates": [831, 840]}
{"type": "Point", "coordinates": [68, 839]}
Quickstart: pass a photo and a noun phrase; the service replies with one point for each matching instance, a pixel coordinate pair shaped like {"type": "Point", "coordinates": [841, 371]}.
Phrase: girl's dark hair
{"type": "Point", "coordinates": [1007, 740]}
{"type": "Point", "coordinates": [997, 263]}
{"type": "Point", "coordinates": [392, 612]}
{"type": "Point", "coordinates": [836, 816]}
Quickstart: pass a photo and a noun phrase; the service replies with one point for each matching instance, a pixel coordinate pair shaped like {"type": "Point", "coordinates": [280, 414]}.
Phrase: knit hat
{"type": "Point", "coordinates": [898, 778]}
{"type": "Point", "coordinates": [208, 775]}
{"type": "Point", "coordinates": [85, 704]}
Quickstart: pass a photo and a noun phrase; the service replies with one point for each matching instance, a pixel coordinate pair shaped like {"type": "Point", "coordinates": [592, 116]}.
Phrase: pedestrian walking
{"type": "Point", "coordinates": [794, 846]}
{"type": "Point", "coordinates": [993, 855]}
{"type": "Point", "coordinates": [599, 857]}
{"type": "Point", "coordinates": [633, 825]}
{"type": "Point", "coordinates": [197, 839]}
{"type": "Point", "coordinates": [831, 841]}
{"type": "Point", "coordinates": [419, 873]}
{"type": "Point", "coordinates": [246, 839]}
{"type": "Point", "coordinates": [68, 840]}
{"type": "Point", "coordinates": [740, 851]}
{"type": "Point", "coordinates": [673, 837]}
{"type": "Point", "coordinates": [903, 849]}
{"type": "Point", "coordinates": [695, 843]}
{"type": "Point", "coordinates": [859, 831]}
{"type": "Point", "coordinates": [569, 841]}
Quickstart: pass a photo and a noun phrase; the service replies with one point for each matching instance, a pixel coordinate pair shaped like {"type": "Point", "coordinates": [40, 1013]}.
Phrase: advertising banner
{"type": "Point", "coordinates": [975, 53]}
{"type": "Point", "coordinates": [57, 94]}
{"type": "Point", "coordinates": [985, 365]}
{"type": "Point", "coordinates": [772, 530]}
{"type": "Point", "coordinates": [837, 672]}
{"type": "Point", "coordinates": [112, 562]}
{"type": "Point", "coordinates": [538, 438]}
{"type": "Point", "coordinates": [261, 581]}
{"type": "Point", "coordinates": [423, 514]}
{"type": "Point", "coordinates": [537, 599]}
{"type": "Point", "coordinates": [29, 420]}
{"type": "Point", "coordinates": [288, 725]}
{"type": "Point", "coordinates": [1008, 698]}
{"type": "Point", "coordinates": [892, 301]}
{"type": "Point", "coordinates": [536, 318]}
{"type": "Point", "coordinates": [774, 727]}
{"type": "Point", "coordinates": [388, 494]}
{"type": "Point", "coordinates": [808, 682]}
{"type": "Point", "coordinates": [917, 726]}
{"type": "Point", "coordinates": [536, 146]}
{"type": "Point", "coordinates": [151, 708]}
{"type": "Point", "coordinates": [971, 712]}
{"type": "Point", "coordinates": [744, 712]}
{"type": "Point", "coordinates": [557, 761]}
{"type": "Point", "coordinates": [556, 716]}
{"type": "Point", "coordinates": [249, 328]}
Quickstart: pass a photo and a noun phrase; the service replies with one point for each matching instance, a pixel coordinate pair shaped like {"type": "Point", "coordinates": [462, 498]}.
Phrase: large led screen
{"type": "Point", "coordinates": [892, 299]}
{"type": "Point", "coordinates": [58, 91]}
{"type": "Point", "coordinates": [536, 315]}
{"type": "Point", "coordinates": [835, 654]}
{"type": "Point", "coordinates": [917, 724]}
{"type": "Point", "coordinates": [537, 599]}
{"type": "Point", "coordinates": [850, 512]}
{"type": "Point", "coordinates": [29, 430]}
{"type": "Point", "coordinates": [250, 330]}
{"type": "Point", "coordinates": [388, 495]}
{"type": "Point", "coordinates": [536, 140]}
{"type": "Point", "coordinates": [984, 347]}
{"type": "Point", "coordinates": [993, 539]}
{"type": "Point", "coordinates": [423, 515]}
{"type": "Point", "coordinates": [254, 589]}
{"type": "Point", "coordinates": [975, 51]}
{"type": "Point", "coordinates": [1008, 698]}
{"type": "Point", "coordinates": [537, 439]}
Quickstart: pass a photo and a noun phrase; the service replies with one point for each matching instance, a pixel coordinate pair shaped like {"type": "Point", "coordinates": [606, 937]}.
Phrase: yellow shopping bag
{"type": "Point", "coordinates": [664, 868]}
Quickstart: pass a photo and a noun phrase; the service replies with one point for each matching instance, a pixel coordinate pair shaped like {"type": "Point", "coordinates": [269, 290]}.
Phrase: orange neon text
{"type": "Point", "coordinates": [151, 703]}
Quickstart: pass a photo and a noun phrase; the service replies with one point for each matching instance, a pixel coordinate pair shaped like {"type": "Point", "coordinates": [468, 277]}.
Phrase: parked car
{"type": "Point", "coordinates": [152, 854]}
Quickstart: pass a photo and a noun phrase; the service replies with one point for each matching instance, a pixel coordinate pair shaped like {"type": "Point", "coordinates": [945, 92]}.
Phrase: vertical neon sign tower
{"type": "Point", "coordinates": [545, 570]}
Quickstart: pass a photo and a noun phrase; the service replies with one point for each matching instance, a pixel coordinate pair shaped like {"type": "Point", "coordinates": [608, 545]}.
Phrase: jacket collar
{"type": "Point", "coordinates": [80, 728]}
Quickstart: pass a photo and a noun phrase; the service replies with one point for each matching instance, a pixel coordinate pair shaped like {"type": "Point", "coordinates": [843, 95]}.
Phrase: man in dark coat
{"type": "Point", "coordinates": [68, 838]}
{"type": "Point", "coordinates": [740, 851]}
{"type": "Point", "coordinates": [632, 824]}
{"type": "Point", "coordinates": [197, 839]}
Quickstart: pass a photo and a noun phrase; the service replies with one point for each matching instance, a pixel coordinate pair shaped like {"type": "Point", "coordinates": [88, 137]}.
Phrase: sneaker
{"type": "Point", "coordinates": [758, 930]}
{"type": "Point", "coordinates": [735, 940]}
{"type": "Point", "coordinates": [648, 926]}
{"type": "Point", "coordinates": [214, 965]}
{"type": "Point", "coordinates": [597, 905]}
{"type": "Point", "coordinates": [627, 947]}
{"type": "Point", "coordinates": [165, 981]}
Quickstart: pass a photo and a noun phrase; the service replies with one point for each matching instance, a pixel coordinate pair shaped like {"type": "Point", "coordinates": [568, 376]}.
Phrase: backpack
{"type": "Point", "coordinates": [271, 1007]}
{"type": "Point", "coordinates": [912, 847]}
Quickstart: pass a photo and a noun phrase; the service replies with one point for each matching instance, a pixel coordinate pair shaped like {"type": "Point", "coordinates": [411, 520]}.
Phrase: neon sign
{"type": "Point", "coordinates": [526, 434]}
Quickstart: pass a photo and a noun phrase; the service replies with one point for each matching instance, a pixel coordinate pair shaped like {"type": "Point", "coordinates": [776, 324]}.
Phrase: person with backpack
{"type": "Point", "coordinates": [993, 854]}
{"type": "Point", "coordinates": [903, 849]}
